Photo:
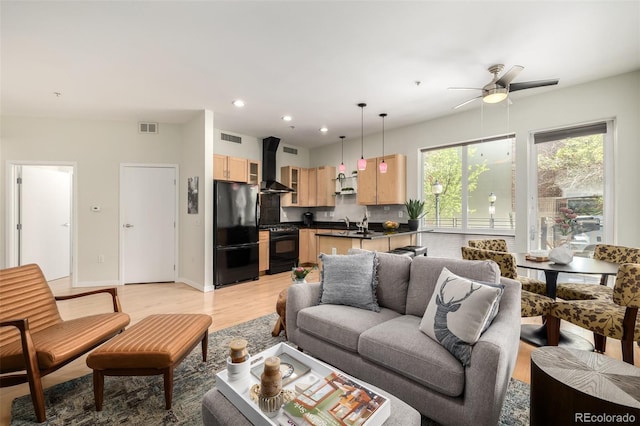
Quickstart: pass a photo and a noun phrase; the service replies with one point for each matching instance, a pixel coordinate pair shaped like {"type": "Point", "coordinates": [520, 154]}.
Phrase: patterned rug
{"type": "Point", "coordinates": [140, 400]}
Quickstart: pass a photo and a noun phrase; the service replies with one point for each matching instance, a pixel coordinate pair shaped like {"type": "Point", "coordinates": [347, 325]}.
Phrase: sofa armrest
{"type": "Point", "coordinates": [29, 354]}
{"type": "Point", "coordinates": [494, 356]}
{"type": "Point", "coordinates": [112, 291]}
{"type": "Point", "coordinates": [299, 296]}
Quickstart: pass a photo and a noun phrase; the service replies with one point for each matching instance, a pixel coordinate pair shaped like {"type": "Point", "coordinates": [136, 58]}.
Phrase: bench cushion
{"type": "Point", "coordinates": [158, 341]}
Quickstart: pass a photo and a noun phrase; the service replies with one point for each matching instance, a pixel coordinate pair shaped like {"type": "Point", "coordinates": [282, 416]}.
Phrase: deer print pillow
{"type": "Point", "coordinates": [459, 311]}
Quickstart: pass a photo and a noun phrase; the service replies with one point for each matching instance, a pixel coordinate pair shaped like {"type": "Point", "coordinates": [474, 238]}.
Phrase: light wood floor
{"type": "Point", "coordinates": [227, 306]}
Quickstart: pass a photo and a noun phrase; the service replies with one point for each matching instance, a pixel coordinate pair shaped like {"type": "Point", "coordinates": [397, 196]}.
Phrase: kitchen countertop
{"type": "Point", "coordinates": [371, 235]}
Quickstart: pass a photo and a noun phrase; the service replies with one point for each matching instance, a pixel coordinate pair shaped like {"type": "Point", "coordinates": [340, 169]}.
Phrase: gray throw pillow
{"type": "Point", "coordinates": [349, 280]}
{"type": "Point", "coordinates": [459, 311]}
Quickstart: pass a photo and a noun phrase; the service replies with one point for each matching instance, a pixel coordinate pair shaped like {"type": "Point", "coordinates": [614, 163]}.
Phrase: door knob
{"type": "Point", "coordinates": [127, 225]}
{"type": "Point", "coordinates": [66, 225]}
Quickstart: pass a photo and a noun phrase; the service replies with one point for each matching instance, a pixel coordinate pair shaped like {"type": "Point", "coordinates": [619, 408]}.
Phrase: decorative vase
{"type": "Point", "coordinates": [414, 224]}
{"type": "Point", "coordinates": [295, 279]}
{"type": "Point", "coordinates": [562, 254]}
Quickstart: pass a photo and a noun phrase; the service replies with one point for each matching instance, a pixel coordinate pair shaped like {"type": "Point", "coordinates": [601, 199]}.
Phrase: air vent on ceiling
{"type": "Point", "coordinates": [290, 150]}
{"type": "Point", "coordinates": [230, 138]}
{"type": "Point", "coordinates": [147, 127]}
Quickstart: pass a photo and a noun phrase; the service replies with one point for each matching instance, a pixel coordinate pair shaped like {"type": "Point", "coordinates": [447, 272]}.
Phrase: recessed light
{"type": "Point", "coordinates": [238, 103]}
{"type": "Point", "coordinates": [324, 129]}
{"type": "Point", "coordinates": [287, 118]}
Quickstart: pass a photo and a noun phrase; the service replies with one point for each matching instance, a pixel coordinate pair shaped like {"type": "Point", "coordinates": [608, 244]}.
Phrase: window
{"type": "Point", "coordinates": [471, 186]}
{"type": "Point", "coordinates": [571, 172]}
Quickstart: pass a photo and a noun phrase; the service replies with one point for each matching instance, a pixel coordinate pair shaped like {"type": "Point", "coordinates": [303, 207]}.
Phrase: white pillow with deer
{"type": "Point", "coordinates": [459, 311]}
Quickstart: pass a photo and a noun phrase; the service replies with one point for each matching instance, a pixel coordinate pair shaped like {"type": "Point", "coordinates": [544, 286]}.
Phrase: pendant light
{"type": "Point", "coordinates": [362, 163]}
{"type": "Point", "coordinates": [342, 168]}
{"type": "Point", "coordinates": [383, 165]}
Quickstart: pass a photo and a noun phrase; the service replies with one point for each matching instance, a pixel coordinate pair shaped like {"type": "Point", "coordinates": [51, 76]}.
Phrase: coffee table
{"type": "Point", "coordinates": [224, 405]}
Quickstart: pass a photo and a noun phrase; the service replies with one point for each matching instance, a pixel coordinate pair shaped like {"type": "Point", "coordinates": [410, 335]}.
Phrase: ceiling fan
{"type": "Point", "coordinates": [499, 87]}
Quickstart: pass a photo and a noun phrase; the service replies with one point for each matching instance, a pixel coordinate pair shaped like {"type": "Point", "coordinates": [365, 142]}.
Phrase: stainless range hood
{"type": "Point", "coordinates": [269, 185]}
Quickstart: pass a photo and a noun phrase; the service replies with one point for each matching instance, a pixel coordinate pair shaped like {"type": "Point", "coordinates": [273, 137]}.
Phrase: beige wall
{"type": "Point", "coordinates": [616, 98]}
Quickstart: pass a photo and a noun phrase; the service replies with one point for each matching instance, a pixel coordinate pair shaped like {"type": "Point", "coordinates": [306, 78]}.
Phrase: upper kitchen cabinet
{"type": "Point", "coordinates": [375, 188]}
{"type": "Point", "coordinates": [230, 168]}
{"type": "Point", "coordinates": [290, 176]}
{"type": "Point", "coordinates": [254, 172]}
{"type": "Point", "coordinates": [325, 186]}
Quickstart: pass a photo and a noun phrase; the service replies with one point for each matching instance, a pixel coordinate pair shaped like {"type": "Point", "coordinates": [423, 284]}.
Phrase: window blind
{"type": "Point", "coordinates": [570, 132]}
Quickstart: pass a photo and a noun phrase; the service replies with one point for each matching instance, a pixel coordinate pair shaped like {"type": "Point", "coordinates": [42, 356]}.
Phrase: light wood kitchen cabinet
{"type": "Point", "coordinates": [303, 188]}
{"type": "Point", "coordinates": [254, 172]}
{"type": "Point", "coordinates": [263, 251]}
{"type": "Point", "coordinates": [230, 168]}
{"type": "Point", "coordinates": [326, 187]}
{"type": "Point", "coordinates": [312, 187]}
{"type": "Point", "coordinates": [290, 176]}
{"type": "Point", "coordinates": [375, 188]}
{"type": "Point", "coordinates": [308, 252]}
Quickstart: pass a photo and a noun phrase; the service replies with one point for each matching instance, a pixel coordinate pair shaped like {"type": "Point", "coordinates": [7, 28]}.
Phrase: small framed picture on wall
{"type": "Point", "coordinates": [192, 195]}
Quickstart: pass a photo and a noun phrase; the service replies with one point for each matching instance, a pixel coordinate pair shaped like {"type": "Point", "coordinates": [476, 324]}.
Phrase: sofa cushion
{"type": "Point", "coordinates": [341, 325]}
{"type": "Point", "coordinates": [426, 270]}
{"type": "Point", "coordinates": [349, 280]}
{"type": "Point", "coordinates": [400, 346]}
{"type": "Point", "coordinates": [459, 311]}
{"type": "Point", "coordinates": [393, 280]}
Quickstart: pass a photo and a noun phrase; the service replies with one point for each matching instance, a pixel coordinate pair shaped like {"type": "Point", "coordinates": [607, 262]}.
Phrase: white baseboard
{"type": "Point", "coordinates": [108, 283]}
{"type": "Point", "coordinates": [197, 286]}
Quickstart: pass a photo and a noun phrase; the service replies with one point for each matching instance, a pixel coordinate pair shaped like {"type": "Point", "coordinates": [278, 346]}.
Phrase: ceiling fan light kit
{"type": "Point", "coordinates": [498, 89]}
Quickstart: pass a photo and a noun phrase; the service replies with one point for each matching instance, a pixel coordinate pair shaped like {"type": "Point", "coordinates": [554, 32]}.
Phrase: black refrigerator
{"type": "Point", "coordinates": [235, 222]}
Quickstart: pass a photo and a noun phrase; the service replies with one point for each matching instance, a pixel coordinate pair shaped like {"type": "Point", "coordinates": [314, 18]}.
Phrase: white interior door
{"type": "Point", "coordinates": [148, 215]}
{"type": "Point", "coordinates": [45, 219]}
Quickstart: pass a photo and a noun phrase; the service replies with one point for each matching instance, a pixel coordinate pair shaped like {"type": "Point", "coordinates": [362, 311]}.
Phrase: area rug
{"type": "Point", "coordinates": [140, 400]}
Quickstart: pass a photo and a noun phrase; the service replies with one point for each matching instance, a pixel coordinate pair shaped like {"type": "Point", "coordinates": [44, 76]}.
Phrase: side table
{"type": "Point", "coordinates": [572, 387]}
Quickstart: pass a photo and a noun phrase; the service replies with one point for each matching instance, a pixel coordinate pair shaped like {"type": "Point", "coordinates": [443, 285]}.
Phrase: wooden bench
{"type": "Point", "coordinates": [156, 345]}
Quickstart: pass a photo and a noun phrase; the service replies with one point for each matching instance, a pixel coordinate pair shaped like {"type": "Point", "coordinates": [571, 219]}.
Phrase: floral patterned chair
{"type": "Point", "coordinates": [608, 253]}
{"type": "Point", "coordinates": [499, 245]}
{"type": "Point", "coordinates": [616, 318]}
{"type": "Point", "coordinates": [532, 304]}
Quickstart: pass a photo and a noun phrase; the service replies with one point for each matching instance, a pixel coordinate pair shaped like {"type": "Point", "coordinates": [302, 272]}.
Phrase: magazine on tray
{"type": "Point", "coordinates": [333, 401]}
{"type": "Point", "coordinates": [290, 368]}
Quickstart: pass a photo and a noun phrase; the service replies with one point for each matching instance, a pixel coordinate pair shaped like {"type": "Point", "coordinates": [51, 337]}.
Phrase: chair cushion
{"type": "Point", "coordinates": [350, 280]}
{"type": "Point", "coordinates": [534, 305]}
{"type": "Point", "coordinates": [64, 341]}
{"type": "Point", "coordinates": [626, 291]}
{"type": "Point", "coordinates": [341, 325]}
{"type": "Point", "coordinates": [399, 345]}
{"type": "Point", "coordinates": [496, 244]}
{"type": "Point", "coordinates": [600, 316]}
{"type": "Point", "coordinates": [617, 254]}
{"type": "Point", "coordinates": [532, 285]}
{"type": "Point", "coordinates": [576, 291]}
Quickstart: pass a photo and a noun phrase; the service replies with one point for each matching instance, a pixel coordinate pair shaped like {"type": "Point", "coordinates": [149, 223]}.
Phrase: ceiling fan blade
{"type": "Point", "coordinates": [466, 102]}
{"type": "Point", "coordinates": [509, 75]}
{"type": "Point", "coordinates": [531, 84]}
{"type": "Point", "coordinates": [464, 88]}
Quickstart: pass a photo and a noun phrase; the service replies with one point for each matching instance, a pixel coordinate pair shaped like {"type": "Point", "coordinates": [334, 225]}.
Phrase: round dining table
{"type": "Point", "coordinates": [537, 335]}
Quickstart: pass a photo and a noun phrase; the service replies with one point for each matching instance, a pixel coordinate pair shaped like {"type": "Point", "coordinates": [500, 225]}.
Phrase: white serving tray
{"type": "Point", "coordinates": [319, 369]}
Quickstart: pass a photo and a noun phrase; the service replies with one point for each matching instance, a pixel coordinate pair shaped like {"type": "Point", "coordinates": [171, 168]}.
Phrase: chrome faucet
{"type": "Point", "coordinates": [346, 221]}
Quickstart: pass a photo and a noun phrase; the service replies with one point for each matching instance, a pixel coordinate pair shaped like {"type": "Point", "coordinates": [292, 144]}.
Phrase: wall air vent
{"type": "Point", "coordinates": [147, 127]}
{"type": "Point", "coordinates": [290, 150]}
{"type": "Point", "coordinates": [230, 138]}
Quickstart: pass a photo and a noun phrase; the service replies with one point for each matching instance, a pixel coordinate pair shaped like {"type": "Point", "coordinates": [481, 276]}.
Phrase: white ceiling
{"type": "Point", "coordinates": [165, 60]}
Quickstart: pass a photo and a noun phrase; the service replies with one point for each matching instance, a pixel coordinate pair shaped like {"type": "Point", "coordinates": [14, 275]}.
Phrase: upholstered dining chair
{"type": "Point", "coordinates": [500, 245]}
{"type": "Point", "coordinates": [608, 253]}
{"type": "Point", "coordinates": [616, 318]}
{"type": "Point", "coordinates": [532, 304]}
{"type": "Point", "coordinates": [35, 340]}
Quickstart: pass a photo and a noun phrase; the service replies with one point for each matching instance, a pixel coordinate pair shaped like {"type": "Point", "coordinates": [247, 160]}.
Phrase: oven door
{"type": "Point", "coordinates": [283, 251]}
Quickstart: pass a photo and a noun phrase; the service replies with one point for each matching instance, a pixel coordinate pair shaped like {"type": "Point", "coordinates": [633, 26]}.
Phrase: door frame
{"type": "Point", "coordinates": [12, 213]}
{"type": "Point", "coordinates": [176, 256]}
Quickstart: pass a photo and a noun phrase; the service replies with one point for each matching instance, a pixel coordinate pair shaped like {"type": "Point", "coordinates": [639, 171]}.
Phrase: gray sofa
{"type": "Point", "coordinates": [388, 350]}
